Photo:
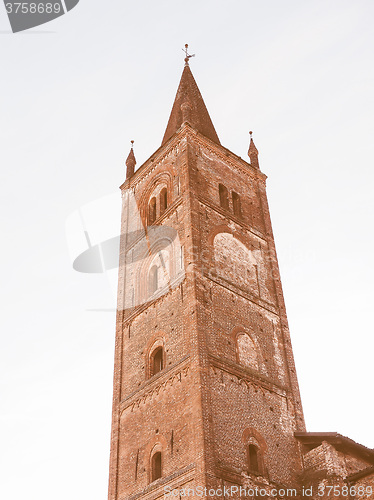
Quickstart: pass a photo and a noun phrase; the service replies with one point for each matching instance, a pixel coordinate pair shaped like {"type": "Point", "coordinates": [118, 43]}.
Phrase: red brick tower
{"type": "Point", "coordinates": [205, 389]}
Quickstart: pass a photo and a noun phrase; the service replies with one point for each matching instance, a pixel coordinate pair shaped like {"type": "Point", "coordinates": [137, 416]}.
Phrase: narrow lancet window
{"type": "Point", "coordinates": [163, 200]}
{"type": "Point", "coordinates": [253, 458]}
{"type": "Point", "coordinates": [157, 361]}
{"type": "Point", "coordinates": [152, 211]}
{"type": "Point", "coordinates": [236, 204]}
{"type": "Point", "coordinates": [223, 196]}
{"type": "Point", "coordinates": [153, 280]}
{"type": "Point", "coordinates": [156, 465]}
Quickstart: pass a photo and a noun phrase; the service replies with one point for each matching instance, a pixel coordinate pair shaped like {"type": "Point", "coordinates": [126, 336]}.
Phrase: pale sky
{"type": "Point", "coordinates": [74, 93]}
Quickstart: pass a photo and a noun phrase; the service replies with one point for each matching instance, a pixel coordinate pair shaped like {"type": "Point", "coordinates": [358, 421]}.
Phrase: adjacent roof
{"type": "Point", "coordinates": [194, 112]}
{"type": "Point", "coordinates": [313, 439]}
{"type": "Point", "coordinates": [359, 475]}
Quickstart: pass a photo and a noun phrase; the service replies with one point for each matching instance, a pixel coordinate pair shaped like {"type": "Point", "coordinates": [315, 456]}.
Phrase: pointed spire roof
{"type": "Point", "coordinates": [189, 107]}
{"type": "Point", "coordinates": [130, 162]}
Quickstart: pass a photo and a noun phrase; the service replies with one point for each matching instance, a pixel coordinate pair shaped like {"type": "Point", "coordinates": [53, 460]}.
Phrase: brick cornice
{"type": "Point", "coordinates": [242, 293]}
{"type": "Point", "coordinates": [158, 382]}
{"type": "Point", "coordinates": [247, 375]}
{"type": "Point", "coordinates": [137, 310]}
{"type": "Point", "coordinates": [156, 489]}
{"type": "Point", "coordinates": [232, 217]}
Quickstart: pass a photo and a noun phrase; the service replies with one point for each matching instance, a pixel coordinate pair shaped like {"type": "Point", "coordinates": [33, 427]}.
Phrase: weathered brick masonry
{"type": "Point", "coordinates": [205, 387]}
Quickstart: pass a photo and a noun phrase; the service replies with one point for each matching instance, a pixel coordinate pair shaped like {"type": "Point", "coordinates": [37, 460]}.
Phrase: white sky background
{"type": "Point", "coordinates": [74, 92]}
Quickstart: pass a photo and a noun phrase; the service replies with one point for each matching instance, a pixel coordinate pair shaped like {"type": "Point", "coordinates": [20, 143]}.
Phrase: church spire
{"type": "Point", "coordinates": [253, 153]}
{"type": "Point", "coordinates": [130, 162]}
{"type": "Point", "coordinates": [189, 107]}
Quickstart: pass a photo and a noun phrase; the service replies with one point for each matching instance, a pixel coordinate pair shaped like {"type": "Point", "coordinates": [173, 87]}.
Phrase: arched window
{"type": "Point", "coordinates": [223, 196]}
{"type": "Point", "coordinates": [236, 204]}
{"type": "Point", "coordinates": [253, 458]}
{"type": "Point", "coordinates": [152, 211]}
{"type": "Point", "coordinates": [156, 466]}
{"type": "Point", "coordinates": [153, 280]}
{"type": "Point", "coordinates": [255, 449]}
{"type": "Point", "coordinates": [156, 361]}
{"type": "Point", "coordinates": [163, 200]}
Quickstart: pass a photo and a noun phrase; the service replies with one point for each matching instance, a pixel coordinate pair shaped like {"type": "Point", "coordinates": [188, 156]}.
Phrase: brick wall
{"type": "Point", "coordinates": [215, 395]}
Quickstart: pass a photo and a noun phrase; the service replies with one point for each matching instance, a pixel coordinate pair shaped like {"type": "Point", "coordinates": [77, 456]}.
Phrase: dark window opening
{"type": "Point", "coordinates": [253, 458]}
{"type": "Point", "coordinates": [163, 200]}
{"type": "Point", "coordinates": [152, 211]}
{"type": "Point", "coordinates": [157, 361]}
{"type": "Point", "coordinates": [223, 196]}
{"type": "Point", "coordinates": [236, 204]}
{"type": "Point", "coordinates": [156, 466]}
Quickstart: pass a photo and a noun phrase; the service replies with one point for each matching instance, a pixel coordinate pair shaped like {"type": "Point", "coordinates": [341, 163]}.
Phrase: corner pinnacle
{"type": "Point", "coordinates": [253, 152]}
{"type": "Point", "coordinates": [130, 162]}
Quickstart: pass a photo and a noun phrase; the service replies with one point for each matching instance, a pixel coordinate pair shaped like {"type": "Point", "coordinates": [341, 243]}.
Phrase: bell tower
{"type": "Point", "coordinates": [205, 388]}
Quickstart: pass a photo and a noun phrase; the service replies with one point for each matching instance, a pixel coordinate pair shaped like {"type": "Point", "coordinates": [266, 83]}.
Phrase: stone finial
{"type": "Point", "coordinates": [188, 56]}
{"type": "Point", "coordinates": [253, 153]}
{"type": "Point", "coordinates": [130, 162]}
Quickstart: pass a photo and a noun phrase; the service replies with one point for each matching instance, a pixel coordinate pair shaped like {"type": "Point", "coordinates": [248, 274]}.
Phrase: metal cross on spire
{"type": "Point", "coordinates": [188, 56]}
